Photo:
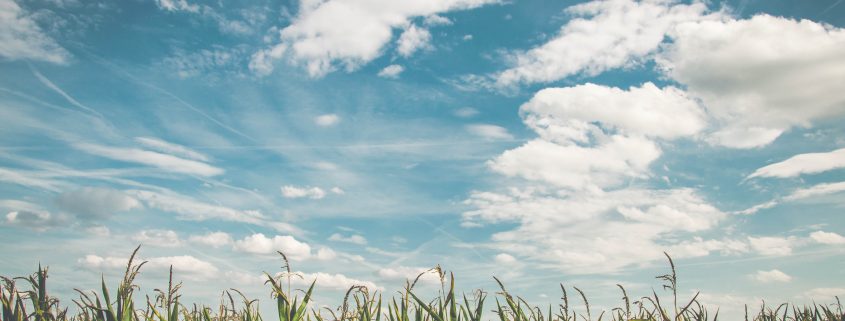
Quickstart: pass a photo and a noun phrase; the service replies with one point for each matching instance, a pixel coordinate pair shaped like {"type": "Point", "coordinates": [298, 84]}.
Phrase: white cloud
{"type": "Point", "coordinates": [772, 246]}
{"type": "Point", "coordinates": [798, 194]}
{"type": "Point", "coordinates": [698, 247]}
{"type": "Point", "coordinates": [596, 232]}
{"type": "Point", "coordinates": [354, 239]}
{"type": "Point", "coordinates": [171, 148]}
{"type": "Point", "coordinates": [578, 167]}
{"type": "Point", "coordinates": [325, 254]}
{"type": "Point", "coordinates": [191, 209]}
{"type": "Point", "coordinates": [193, 267]}
{"type": "Point", "coordinates": [403, 273]}
{"type": "Point", "coordinates": [327, 120]}
{"type": "Point", "coordinates": [576, 113]}
{"type": "Point", "coordinates": [194, 210]}
{"type": "Point", "coordinates": [243, 279]}
{"type": "Point", "coordinates": [603, 35]}
{"type": "Point", "coordinates": [177, 5]}
{"type": "Point", "coordinates": [95, 202]}
{"type": "Point", "coordinates": [21, 213]}
{"type": "Point", "coordinates": [260, 244]}
{"type": "Point", "coordinates": [213, 239]}
{"type": "Point", "coordinates": [391, 71]}
{"type": "Point", "coordinates": [329, 34]}
{"type": "Point", "coordinates": [437, 20]}
{"type": "Point", "coordinates": [576, 208]}
{"type": "Point", "coordinates": [338, 190]}
{"type": "Point", "coordinates": [412, 40]}
{"type": "Point", "coordinates": [28, 178]}
{"type": "Point", "coordinates": [101, 231]}
{"type": "Point", "coordinates": [593, 136]}
{"type": "Point", "coordinates": [261, 62]}
{"type": "Point", "coordinates": [810, 163]}
{"type": "Point", "coordinates": [488, 131]}
{"type": "Point", "coordinates": [104, 263]}
{"type": "Point", "coordinates": [160, 238]}
{"type": "Point", "coordinates": [22, 38]}
{"type": "Point", "coordinates": [332, 281]}
{"type": "Point", "coordinates": [224, 24]}
{"type": "Point", "coordinates": [773, 276]}
{"type": "Point", "coordinates": [816, 190]}
{"type": "Point", "coordinates": [466, 112]}
{"type": "Point", "coordinates": [164, 162]}
{"type": "Point", "coordinates": [504, 259]}
{"type": "Point", "coordinates": [183, 265]}
{"type": "Point", "coordinates": [289, 191]}
{"type": "Point", "coordinates": [752, 74]}
{"type": "Point", "coordinates": [823, 294]}
{"type": "Point", "coordinates": [827, 237]}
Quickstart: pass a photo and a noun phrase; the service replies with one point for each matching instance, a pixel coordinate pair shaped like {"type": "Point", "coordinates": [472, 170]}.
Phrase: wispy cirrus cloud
{"type": "Point", "coordinates": [161, 161]}
{"type": "Point", "coordinates": [811, 163]}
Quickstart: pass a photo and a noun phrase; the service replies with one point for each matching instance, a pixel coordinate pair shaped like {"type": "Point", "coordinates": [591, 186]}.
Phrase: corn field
{"type": "Point", "coordinates": [26, 299]}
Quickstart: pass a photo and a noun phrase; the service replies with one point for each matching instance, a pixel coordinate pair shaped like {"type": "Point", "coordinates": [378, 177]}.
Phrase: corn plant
{"type": "Point", "coordinates": [288, 310]}
{"type": "Point", "coordinates": [123, 307]}
{"type": "Point", "coordinates": [361, 304]}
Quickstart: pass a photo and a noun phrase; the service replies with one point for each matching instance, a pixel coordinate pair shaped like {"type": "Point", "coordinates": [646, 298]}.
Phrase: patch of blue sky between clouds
{"type": "Point", "coordinates": [485, 136]}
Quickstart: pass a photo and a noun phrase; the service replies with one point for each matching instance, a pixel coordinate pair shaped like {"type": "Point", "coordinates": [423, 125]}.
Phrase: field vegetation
{"type": "Point", "coordinates": [27, 299]}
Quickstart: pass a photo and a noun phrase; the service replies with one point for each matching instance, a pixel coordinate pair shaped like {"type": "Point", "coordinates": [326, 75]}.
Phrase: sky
{"type": "Point", "coordinates": [541, 142]}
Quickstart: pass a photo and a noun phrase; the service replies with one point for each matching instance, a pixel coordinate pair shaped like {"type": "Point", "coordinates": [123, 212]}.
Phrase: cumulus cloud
{"type": "Point", "coordinates": [827, 237]}
{"type": "Point", "coordinates": [326, 35]}
{"type": "Point", "coordinates": [574, 209]}
{"type": "Point", "coordinates": [290, 191]}
{"type": "Point", "coordinates": [160, 238]}
{"type": "Point", "coordinates": [391, 71]}
{"type": "Point", "coordinates": [325, 254]}
{"type": "Point", "coordinates": [327, 120]}
{"type": "Point", "coordinates": [213, 239]}
{"type": "Point", "coordinates": [22, 38]}
{"type": "Point", "coordinates": [576, 113]}
{"type": "Point", "coordinates": [810, 163]}
{"type": "Point", "coordinates": [95, 202]}
{"type": "Point", "coordinates": [164, 162]}
{"type": "Point", "coordinates": [21, 213]}
{"type": "Point", "coordinates": [752, 74]}
{"type": "Point", "coordinates": [354, 239]}
{"type": "Point", "coordinates": [403, 273]}
{"type": "Point", "coordinates": [773, 276]}
{"type": "Point", "coordinates": [601, 36]}
{"type": "Point", "coordinates": [772, 246]}
{"type": "Point", "coordinates": [335, 281]}
{"type": "Point", "coordinates": [584, 232]}
{"type": "Point", "coordinates": [504, 259]}
{"type": "Point", "coordinates": [488, 131]}
{"type": "Point", "coordinates": [183, 265]}
{"type": "Point", "coordinates": [260, 244]}
{"type": "Point", "coordinates": [594, 136]}
{"type": "Point", "coordinates": [413, 39]}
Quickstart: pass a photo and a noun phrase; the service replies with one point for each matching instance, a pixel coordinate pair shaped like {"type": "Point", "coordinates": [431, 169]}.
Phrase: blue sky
{"type": "Point", "coordinates": [537, 141]}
